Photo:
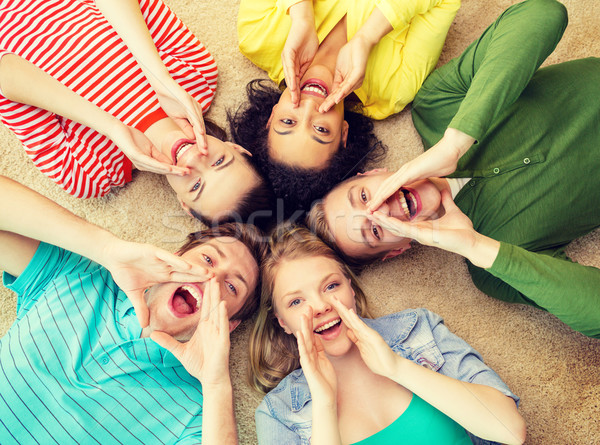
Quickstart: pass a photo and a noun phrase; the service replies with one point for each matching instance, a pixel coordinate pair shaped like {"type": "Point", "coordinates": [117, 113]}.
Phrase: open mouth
{"type": "Point", "coordinates": [315, 87]}
{"type": "Point", "coordinates": [409, 202]}
{"type": "Point", "coordinates": [329, 327]}
{"type": "Point", "coordinates": [186, 300]}
{"type": "Point", "coordinates": [180, 148]}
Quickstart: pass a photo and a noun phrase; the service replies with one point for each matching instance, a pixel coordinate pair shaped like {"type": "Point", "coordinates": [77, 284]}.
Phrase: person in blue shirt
{"type": "Point", "coordinates": [400, 378]}
{"type": "Point", "coordinates": [118, 342]}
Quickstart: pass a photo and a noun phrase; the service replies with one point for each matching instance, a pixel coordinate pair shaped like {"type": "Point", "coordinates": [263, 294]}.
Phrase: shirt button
{"type": "Point", "coordinates": [526, 161]}
{"type": "Point", "coordinates": [496, 170]}
{"type": "Point", "coordinates": [105, 361]}
{"type": "Point", "coordinates": [472, 183]}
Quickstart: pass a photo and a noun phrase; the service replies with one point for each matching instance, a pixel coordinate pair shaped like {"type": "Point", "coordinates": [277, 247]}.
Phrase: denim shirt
{"type": "Point", "coordinates": [285, 414]}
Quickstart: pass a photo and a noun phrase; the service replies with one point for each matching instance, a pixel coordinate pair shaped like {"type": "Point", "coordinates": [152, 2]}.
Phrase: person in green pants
{"type": "Point", "coordinates": [515, 149]}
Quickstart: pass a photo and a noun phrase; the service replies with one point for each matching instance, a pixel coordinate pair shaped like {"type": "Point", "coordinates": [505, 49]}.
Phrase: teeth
{"type": "Point", "coordinates": [404, 204]}
{"type": "Point", "coordinates": [315, 89]}
{"type": "Point", "coordinates": [180, 150]}
{"type": "Point", "coordinates": [328, 325]}
{"type": "Point", "coordinates": [194, 293]}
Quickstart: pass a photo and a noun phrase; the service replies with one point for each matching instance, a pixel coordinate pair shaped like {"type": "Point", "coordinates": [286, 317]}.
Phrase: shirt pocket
{"type": "Point", "coordinates": [428, 355]}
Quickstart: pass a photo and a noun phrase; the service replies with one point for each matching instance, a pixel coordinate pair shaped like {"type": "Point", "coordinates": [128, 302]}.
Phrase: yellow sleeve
{"type": "Point", "coordinates": [285, 5]}
{"type": "Point", "coordinates": [401, 12]}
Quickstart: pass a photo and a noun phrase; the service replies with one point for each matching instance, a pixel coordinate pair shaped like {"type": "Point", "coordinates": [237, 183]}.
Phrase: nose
{"type": "Point", "coordinates": [320, 306]}
{"type": "Point", "coordinates": [384, 208]}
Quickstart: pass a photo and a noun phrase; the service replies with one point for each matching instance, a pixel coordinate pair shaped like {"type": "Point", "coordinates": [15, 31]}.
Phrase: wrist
{"type": "Point", "coordinates": [302, 12]}
{"type": "Point", "coordinates": [484, 251]}
{"type": "Point", "coordinates": [459, 141]}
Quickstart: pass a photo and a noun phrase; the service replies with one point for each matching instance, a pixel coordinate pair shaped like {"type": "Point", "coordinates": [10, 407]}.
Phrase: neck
{"type": "Point", "coordinates": [331, 45]}
{"type": "Point", "coordinates": [163, 134]}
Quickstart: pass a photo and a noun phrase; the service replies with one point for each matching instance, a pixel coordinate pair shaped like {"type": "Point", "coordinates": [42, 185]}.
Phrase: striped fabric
{"type": "Point", "coordinates": [74, 370]}
{"type": "Point", "coordinates": [71, 40]}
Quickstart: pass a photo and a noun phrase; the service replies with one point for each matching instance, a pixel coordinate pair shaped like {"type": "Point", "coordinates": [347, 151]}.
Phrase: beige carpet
{"type": "Point", "coordinates": [554, 370]}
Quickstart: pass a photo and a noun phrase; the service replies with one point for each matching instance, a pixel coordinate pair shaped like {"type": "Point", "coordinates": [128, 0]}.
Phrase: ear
{"type": "Point", "coordinates": [374, 171]}
{"type": "Point", "coordinates": [185, 207]}
{"type": "Point", "coordinates": [283, 325]}
{"type": "Point", "coordinates": [233, 324]}
{"type": "Point", "coordinates": [271, 116]}
{"type": "Point", "coordinates": [396, 252]}
{"type": "Point", "coordinates": [238, 148]}
{"type": "Point", "coordinates": [345, 127]}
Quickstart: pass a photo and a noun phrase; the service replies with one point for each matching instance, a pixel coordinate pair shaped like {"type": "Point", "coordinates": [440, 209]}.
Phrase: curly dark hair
{"type": "Point", "coordinates": [300, 187]}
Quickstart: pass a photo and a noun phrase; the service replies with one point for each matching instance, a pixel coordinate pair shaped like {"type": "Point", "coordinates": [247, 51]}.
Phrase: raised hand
{"type": "Point", "coordinates": [317, 368]}
{"type": "Point", "coordinates": [300, 48]}
{"type": "Point", "coordinates": [206, 354]}
{"type": "Point", "coordinates": [135, 267]}
{"type": "Point", "coordinates": [350, 70]}
{"type": "Point", "coordinates": [375, 352]}
{"type": "Point", "coordinates": [440, 160]}
{"type": "Point", "coordinates": [142, 153]}
{"type": "Point", "coordinates": [453, 232]}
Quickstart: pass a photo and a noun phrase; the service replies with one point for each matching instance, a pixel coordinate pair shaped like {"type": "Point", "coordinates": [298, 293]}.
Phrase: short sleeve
{"type": "Point", "coordinates": [2, 54]}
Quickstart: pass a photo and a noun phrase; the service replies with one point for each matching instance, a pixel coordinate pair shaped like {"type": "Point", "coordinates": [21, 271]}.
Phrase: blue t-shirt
{"type": "Point", "coordinates": [73, 368]}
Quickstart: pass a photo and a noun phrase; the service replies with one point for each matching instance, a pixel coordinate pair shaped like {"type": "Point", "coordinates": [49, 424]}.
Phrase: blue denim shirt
{"type": "Point", "coordinates": [285, 414]}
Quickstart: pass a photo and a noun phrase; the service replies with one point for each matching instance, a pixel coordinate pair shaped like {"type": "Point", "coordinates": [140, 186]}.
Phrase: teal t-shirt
{"type": "Point", "coordinates": [73, 368]}
{"type": "Point", "coordinates": [420, 424]}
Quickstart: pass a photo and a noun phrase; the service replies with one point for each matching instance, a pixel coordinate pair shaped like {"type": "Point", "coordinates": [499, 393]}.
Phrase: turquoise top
{"type": "Point", "coordinates": [420, 424]}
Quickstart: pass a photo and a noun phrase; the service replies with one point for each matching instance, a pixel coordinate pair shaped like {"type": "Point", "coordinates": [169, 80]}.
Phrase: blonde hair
{"type": "Point", "coordinates": [273, 353]}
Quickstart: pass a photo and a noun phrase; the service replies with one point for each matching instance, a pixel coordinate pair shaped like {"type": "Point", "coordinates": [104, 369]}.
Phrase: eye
{"type": "Point", "coordinates": [294, 302]}
{"type": "Point", "coordinates": [375, 231]}
{"type": "Point", "coordinates": [363, 196]}
{"type": "Point", "coordinates": [322, 130]}
{"type": "Point", "coordinates": [196, 186]}
{"type": "Point", "coordinates": [286, 121]}
{"type": "Point", "coordinates": [231, 288]}
{"type": "Point", "coordinates": [219, 162]}
{"type": "Point", "coordinates": [208, 260]}
{"type": "Point", "coordinates": [332, 286]}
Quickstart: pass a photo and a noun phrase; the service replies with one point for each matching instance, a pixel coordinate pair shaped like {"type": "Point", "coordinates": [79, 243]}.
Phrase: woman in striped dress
{"type": "Point", "coordinates": [88, 113]}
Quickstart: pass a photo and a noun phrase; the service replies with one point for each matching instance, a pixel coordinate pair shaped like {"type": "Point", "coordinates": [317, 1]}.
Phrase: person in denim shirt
{"type": "Point", "coordinates": [361, 378]}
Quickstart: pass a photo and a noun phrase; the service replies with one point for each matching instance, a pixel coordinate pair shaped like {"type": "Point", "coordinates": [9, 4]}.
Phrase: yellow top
{"type": "Point", "coordinates": [397, 65]}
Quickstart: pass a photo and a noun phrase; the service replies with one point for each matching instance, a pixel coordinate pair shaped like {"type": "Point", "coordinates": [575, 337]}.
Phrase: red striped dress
{"type": "Point", "coordinates": [72, 41]}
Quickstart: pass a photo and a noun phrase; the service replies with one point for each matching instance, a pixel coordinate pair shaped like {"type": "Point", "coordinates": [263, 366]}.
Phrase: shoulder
{"type": "Point", "coordinates": [409, 325]}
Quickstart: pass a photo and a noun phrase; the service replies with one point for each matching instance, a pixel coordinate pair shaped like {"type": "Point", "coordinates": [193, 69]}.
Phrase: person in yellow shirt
{"type": "Point", "coordinates": [312, 135]}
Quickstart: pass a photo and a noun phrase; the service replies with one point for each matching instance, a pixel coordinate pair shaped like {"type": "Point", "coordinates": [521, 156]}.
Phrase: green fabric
{"type": "Point", "coordinates": [420, 424]}
{"type": "Point", "coordinates": [535, 166]}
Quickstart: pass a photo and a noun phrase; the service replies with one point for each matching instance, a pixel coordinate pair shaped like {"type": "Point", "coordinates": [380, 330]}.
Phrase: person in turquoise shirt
{"type": "Point", "coordinates": [513, 148]}
{"type": "Point", "coordinates": [128, 346]}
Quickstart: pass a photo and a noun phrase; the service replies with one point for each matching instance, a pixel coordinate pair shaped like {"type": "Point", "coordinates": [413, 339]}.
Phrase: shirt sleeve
{"type": "Point", "coordinates": [564, 288]}
{"type": "Point", "coordinates": [271, 431]}
{"type": "Point", "coordinates": [461, 361]}
{"type": "Point", "coordinates": [401, 12]}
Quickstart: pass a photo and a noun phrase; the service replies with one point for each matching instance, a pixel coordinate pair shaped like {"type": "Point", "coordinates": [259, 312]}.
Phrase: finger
{"type": "Point", "coordinates": [385, 190]}
{"type": "Point", "coordinates": [352, 336]}
{"type": "Point", "coordinates": [140, 307]}
{"type": "Point", "coordinates": [172, 260]}
{"type": "Point", "coordinates": [301, 346]}
{"type": "Point", "coordinates": [223, 323]}
{"type": "Point", "coordinates": [327, 104]}
{"type": "Point", "coordinates": [447, 201]}
{"type": "Point", "coordinates": [392, 224]}
{"type": "Point", "coordinates": [207, 298]}
{"type": "Point", "coordinates": [306, 334]}
{"type": "Point", "coordinates": [164, 340]}
{"type": "Point", "coordinates": [319, 345]}
{"type": "Point", "coordinates": [343, 312]}
{"type": "Point", "coordinates": [199, 133]}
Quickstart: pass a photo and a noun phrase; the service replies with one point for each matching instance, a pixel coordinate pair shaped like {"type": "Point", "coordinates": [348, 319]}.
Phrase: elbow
{"type": "Point", "coordinates": [518, 430]}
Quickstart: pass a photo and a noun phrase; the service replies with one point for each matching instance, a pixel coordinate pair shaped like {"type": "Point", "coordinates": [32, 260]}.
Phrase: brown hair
{"type": "Point", "coordinates": [248, 235]}
{"type": "Point", "coordinates": [273, 353]}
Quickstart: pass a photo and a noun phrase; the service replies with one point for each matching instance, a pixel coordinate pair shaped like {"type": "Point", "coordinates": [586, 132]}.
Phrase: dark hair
{"type": "Point", "coordinates": [259, 200]}
{"type": "Point", "coordinates": [248, 235]}
{"type": "Point", "coordinates": [299, 187]}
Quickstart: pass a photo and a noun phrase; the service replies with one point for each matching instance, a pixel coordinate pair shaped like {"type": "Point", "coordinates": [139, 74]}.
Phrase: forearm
{"type": "Point", "coordinates": [32, 215]}
{"type": "Point", "coordinates": [373, 30]}
{"type": "Point", "coordinates": [218, 419]}
{"type": "Point", "coordinates": [482, 410]}
{"type": "Point", "coordinates": [126, 18]}
{"type": "Point", "coordinates": [325, 429]}
{"type": "Point", "coordinates": [23, 82]}
{"type": "Point", "coordinates": [302, 11]}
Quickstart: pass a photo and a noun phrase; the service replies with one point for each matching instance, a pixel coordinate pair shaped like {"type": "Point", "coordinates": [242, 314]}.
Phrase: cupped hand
{"type": "Point", "coordinates": [440, 160]}
{"type": "Point", "coordinates": [141, 152]}
{"type": "Point", "coordinates": [298, 53]}
{"type": "Point", "coordinates": [375, 352]}
{"type": "Point", "coordinates": [317, 368]}
{"type": "Point", "coordinates": [135, 267]}
{"type": "Point", "coordinates": [185, 111]}
{"type": "Point", "coordinates": [350, 70]}
{"type": "Point", "coordinates": [206, 354]}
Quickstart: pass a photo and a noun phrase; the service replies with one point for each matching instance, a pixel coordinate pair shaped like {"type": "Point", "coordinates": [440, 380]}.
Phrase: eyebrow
{"type": "Point", "coordinates": [299, 291]}
{"type": "Point", "coordinates": [320, 141]}
{"type": "Point", "coordinates": [220, 167]}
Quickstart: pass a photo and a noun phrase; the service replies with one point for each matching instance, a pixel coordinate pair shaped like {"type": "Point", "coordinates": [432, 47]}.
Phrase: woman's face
{"type": "Point", "coordinates": [307, 285]}
{"type": "Point", "coordinates": [303, 137]}
{"type": "Point", "coordinates": [217, 181]}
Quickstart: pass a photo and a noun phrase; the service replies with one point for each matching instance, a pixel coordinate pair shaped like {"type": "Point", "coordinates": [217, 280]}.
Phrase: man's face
{"type": "Point", "coordinates": [217, 181]}
{"type": "Point", "coordinates": [346, 213]}
{"type": "Point", "coordinates": [175, 307]}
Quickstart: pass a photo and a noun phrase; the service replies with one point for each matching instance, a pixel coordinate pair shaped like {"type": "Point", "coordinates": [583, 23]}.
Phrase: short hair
{"type": "Point", "coordinates": [259, 199]}
{"type": "Point", "coordinates": [273, 353]}
{"type": "Point", "coordinates": [300, 187]}
{"type": "Point", "coordinates": [251, 237]}
{"type": "Point", "coordinates": [317, 223]}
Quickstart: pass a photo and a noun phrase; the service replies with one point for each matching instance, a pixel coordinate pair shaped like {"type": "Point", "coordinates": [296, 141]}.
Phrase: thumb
{"type": "Point", "coordinates": [352, 336]}
{"type": "Point", "coordinates": [448, 201]}
{"type": "Point", "coordinates": [166, 341]}
{"type": "Point", "coordinates": [139, 306]}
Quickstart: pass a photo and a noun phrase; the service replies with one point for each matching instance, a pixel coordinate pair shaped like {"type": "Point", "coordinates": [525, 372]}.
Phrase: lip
{"type": "Point", "coordinates": [398, 212]}
{"type": "Point", "coordinates": [332, 333]}
{"type": "Point", "coordinates": [176, 146]}
{"type": "Point", "coordinates": [172, 308]}
{"type": "Point", "coordinates": [318, 82]}
{"type": "Point", "coordinates": [417, 198]}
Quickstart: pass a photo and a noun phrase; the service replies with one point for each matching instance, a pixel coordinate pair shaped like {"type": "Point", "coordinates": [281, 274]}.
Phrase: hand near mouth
{"type": "Point", "coordinates": [375, 352]}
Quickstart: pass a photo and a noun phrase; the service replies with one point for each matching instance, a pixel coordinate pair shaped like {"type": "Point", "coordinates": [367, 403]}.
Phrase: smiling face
{"type": "Point", "coordinates": [309, 283]}
{"type": "Point", "coordinates": [303, 137]}
{"type": "Point", "coordinates": [175, 307]}
{"type": "Point", "coordinates": [346, 213]}
{"type": "Point", "coordinates": [217, 182]}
